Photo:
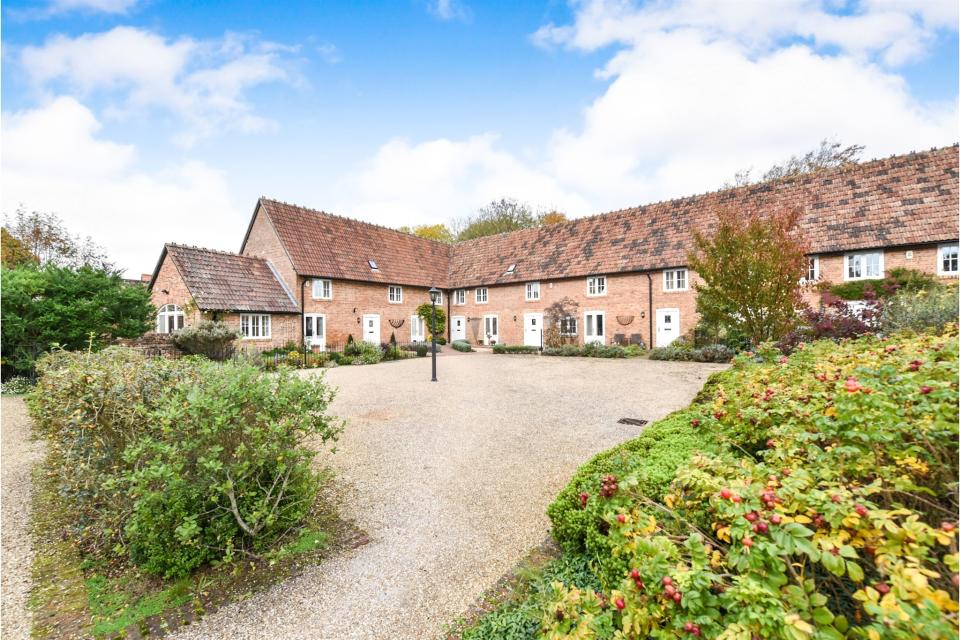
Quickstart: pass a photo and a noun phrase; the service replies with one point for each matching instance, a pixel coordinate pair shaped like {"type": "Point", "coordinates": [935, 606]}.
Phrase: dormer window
{"type": "Point", "coordinates": [373, 265]}
{"type": "Point", "coordinates": [510, 270]}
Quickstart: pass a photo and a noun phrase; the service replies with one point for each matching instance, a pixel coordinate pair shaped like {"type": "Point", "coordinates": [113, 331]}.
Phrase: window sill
{"type": "Point", "coordinates": [597, 295]}
{"type": "Point", "coordinates": [684, 290]}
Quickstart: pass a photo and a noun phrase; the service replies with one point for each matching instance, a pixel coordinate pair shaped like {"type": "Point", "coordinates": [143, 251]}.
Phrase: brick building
{"type": "Point", "coordinates": [618, 277]}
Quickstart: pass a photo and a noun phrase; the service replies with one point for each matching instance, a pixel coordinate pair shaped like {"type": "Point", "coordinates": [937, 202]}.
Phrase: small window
{"type": "Point", "coordinates": [322, 290]}
{"type": "Point", "coordinates": [533, 291]}
{"type": "Point", "coordinates": [813, 269]}
{"type": "Point", "coordinates": [254, 325]}
{"type": "Point", "coordinates": [597, 286]}
{"type": "Point", "coordinates": [675, 280]}
{"type": "Point", "coordinates": [510, 270]}
{"type": "Point", "coordinates": [863, 265]}
{"type": "Point", "coordinates": [373, 265]}
{"type": "Point", "coordinates": [439, 298]}
{"type": "Point", "coordinates": [169, 318]}
{"type": "Point", "coordinates": [394, 294]}
{"type": "Point", "coordinates": [947, 264]}
{"type": "Point", "coordinates": [568, 326]}
{"type": "Point", "coordinates": [460, 296]}
{"type": "Point", "coordinates": [480, 295]}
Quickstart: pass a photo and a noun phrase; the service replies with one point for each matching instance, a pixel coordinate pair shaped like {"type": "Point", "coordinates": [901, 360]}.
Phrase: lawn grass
{"type": "Point", "coordinates": [73, 596]}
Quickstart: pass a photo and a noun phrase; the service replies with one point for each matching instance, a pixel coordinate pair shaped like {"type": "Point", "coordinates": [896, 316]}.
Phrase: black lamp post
{"type": "Point", "coordinates": [434, 296]}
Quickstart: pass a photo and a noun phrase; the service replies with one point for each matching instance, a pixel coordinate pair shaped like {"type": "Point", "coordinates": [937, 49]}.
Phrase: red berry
{"type": "Point", "coordinates": [621, 518]}
{"type": "Point", "coordinates": [695, 423]}
{"type": "Point", "coordinates": [925, 389]}
{"type": "Point", "coordinates": [583, 499]}
{"type": "Point", "coordinates": [775, 518]}
{"type": "Point", "coordinates": [719, 414]}
{"type": "Point", "coordinates": [752, 516]}
{"type": "Point", "coordinates": [861, 510]}
{"type": "Point", "coordinates": [725, 494]}
{"type": "Point", "coordinates": [915, 365]}
{"type": "Point", "coordinates": [761, 527]}
{"type": "Point", "coordinates": [620, 604]}
{"type": "Point", "coordinates": [747, 541]}
{"type": "Point", "coordinates": [689, 627]}
{"type": "Point", "coordinates": [853, 385]}
{"type": "Point", "coordinates": [835, 499]}
{"type": "Point", "coordinates": [736, 499]}
{"type": "Point", "coordinates": [947, 526]}
{"type": "Point", "coordinates": [882, 588]}
{"type": "Point", "coordinates": [771, 444]}
{"type": "Point", "coordinates": [677, 597]}
{"type": "Point", "coordinates": [670, 590]}
{"type": "Point", "coordinates": [667, 580]}
{"type": "Point", "coordinates": [640, 585]}
{"type": "Point", "coordinates": [635, 574]}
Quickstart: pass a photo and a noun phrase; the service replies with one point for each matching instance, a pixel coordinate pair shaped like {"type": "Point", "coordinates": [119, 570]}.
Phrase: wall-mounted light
{"type": "Point", "coordinates": [358, 318]}
{"type": "Point", "coordinates": [164, 291]}
{"type": "Point", "coordinates": [354, 309]}
{"type": "Point", "coordinates": [514, 318]}
{"type": "Point", "coordinates": [643, 314]}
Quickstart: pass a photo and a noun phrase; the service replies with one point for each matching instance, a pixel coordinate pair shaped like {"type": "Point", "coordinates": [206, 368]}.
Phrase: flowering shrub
{"type": "Point", "coordinates": [810, 496]}
{"type": "Point", "coordinates": [920, 310]}
{"type": "Point", "coordinates": [215, 340]}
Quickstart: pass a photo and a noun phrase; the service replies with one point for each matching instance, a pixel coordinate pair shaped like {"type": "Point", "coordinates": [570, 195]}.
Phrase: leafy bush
{"type": "Point", "coordinates": [593, 350]}
{"type": "Point", "coordinates": [798, 497]}
{"type": "Point", "coordinates": [16, 385]}
{"type": "Point", "coordinates": [713, 353]}
{"type": "Point", "coordinates": [931, 309]}
{"type": "Point", "coordinates": [675, 351]}
{"type": "Point", "coordinates": [179, 462]}
{"type": "Point", "coordinates": [425, 311]}
{"type": "Point", "coordinates": [899, 279]}
{"type": "Point", "coordinates": [461, 345]}
{"type": "Point", "coordinates": [515, 348]}
{"type": "Point", "coordinates": [215, 340]}
{"type": "Point", "coordinates": [362, 353]}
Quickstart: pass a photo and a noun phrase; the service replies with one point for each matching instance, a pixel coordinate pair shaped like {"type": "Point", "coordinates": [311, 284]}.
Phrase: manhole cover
{"type": "Point", "coordinates": [634, 421]}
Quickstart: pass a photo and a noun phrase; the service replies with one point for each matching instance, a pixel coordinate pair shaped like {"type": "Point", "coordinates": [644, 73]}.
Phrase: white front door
{"type": "Point", "coordinates": [533, 329]}
{"type": "Point", "coordinates": [417, 330]}
{"type": "Point", "coordinates": [668, 326]}
{"type": "Point", "coordinates": [315, 330]}
{"type": "Point", "coordinates": [491, 329]}
{"type": "Point", "coordinates": [458, 330]}
{"type": "Point", "coordinates": [594, 323]}
{"type": "Point", "coordinates": [371, 328]}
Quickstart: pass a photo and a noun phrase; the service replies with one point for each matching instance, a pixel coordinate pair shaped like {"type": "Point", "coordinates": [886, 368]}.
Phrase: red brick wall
{"type": "Point", "coordinates": [284, 328]}
{"type": "Point", "coordinates": [170, 288]}
{"type": "Point", "coordinates": [263, 242]}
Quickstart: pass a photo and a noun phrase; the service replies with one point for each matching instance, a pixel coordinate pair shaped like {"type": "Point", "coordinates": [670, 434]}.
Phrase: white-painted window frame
{"type": "Point", "coordinates": [532, 291]}
{"type": "Point", "coordinates": [485, 296]}
{"type": "Point", "coordinates": [164, 314]}
{"type": "Point", "coordinates": [417, 321]}
{"type": "Point", "coordinates": [862, 255]}
{"type": "Point", "coordinates": [813, 270]}
{"type": "Point", "coordinates": [439, 298]}
{"type": "Point", "coordinates": [956, 259]}
{"type": "Point", "coordinates": [256, 326]}
{"type": "Point", "coordinates": [600, 338]}
{"type": "Point", "coordinates": [672, 276]}
{"type": "Point", "coordinates": [321, 289]}
{"type": "Point", "coordinates": [460, 297]}
{"type": "Point", "coordinates": [395, 294]}
{"type": "Point", "coordinates": [598, 285]}
{"type": "Point", "coordinates": [565, 330]}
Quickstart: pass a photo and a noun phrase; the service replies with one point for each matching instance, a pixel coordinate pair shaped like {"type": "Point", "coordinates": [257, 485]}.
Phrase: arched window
{"type": "Point", "coordinates": [169, 318]}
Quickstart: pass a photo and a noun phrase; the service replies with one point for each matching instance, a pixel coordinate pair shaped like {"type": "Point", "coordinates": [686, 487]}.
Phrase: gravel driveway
{"type": "Point", "coordinates": [451, 481]}
{"type": "Point", "coordinates": [19, 454]}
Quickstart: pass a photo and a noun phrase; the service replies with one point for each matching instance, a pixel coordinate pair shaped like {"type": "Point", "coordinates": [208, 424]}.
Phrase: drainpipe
{"type": "Point", "coordinates": [303, 319]}
{"type": "Point", "coordinates": [650, 307]}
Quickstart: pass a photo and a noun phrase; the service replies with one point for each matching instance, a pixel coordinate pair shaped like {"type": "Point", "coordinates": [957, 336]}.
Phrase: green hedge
{"type": "Point", "coordinates": [515, 348]}
{"type": "Point", "coordinates": [461, 345]}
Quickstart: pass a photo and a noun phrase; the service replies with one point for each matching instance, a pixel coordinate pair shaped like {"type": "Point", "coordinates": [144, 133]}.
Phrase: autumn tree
{"type": "Point", "coordinates": [13, 252]}
{"type": "Point", "coordinates": [552, 217]}
{"type": "Point", "coordinates": [829, 155]}
{"type": "Point", "coordinates": [45, 236]}
{"type": "Point", "coordinates": [438, 232]}
{"type": "Point", "coordinates": [500, 216]}
{"type": "Point", "coordinates": [750, 268]}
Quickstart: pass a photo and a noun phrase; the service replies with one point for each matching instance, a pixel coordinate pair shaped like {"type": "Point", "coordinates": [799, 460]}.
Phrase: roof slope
{"type": "Point", "coordinates": [220, 281]}
{"type": "Point", "coordinates": [901, 200]}
{"type": "Point", "coordinates": [322, 244]}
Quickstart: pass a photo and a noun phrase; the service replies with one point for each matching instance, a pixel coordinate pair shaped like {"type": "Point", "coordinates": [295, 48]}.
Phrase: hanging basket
{"type": "Point", "coordinates": [625, 320]}
{"type": "Point", "coordinates": [396, 324]}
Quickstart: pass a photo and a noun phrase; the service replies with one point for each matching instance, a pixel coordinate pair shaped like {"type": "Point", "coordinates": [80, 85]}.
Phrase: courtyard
{"type": "Point", "coordinates": [451, 481]}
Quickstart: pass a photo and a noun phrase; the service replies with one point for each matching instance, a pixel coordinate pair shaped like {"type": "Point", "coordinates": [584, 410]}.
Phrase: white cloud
{"type": "Point", "coordinates": [329, 53]}
{"type": "Point", "coordinates": [450, 10]}
{"type": "Point", "coordinates": [53, 160]}
{"type": "Point", "coordinates": [202, 82]}
{"type": "Point", "coordinates": [697, 91]}
{"type": "Point", "coordinates": [100, 6]}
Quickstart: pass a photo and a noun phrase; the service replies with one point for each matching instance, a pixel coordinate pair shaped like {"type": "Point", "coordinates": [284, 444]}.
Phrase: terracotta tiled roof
{"type": "Point", "coordinates": [322, 244]}
{"type": "Point", "coordinates": [220, 281]}
{"type": "Point", "coordinates": [901, 200]}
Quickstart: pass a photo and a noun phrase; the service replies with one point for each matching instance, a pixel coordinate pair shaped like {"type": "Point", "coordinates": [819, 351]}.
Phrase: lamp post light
{"type": "Point", "coordinates": [434, 296]}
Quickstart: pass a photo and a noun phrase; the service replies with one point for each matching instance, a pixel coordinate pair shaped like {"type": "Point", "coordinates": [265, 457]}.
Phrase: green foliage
{"type": "Point", "coordinates": [593, 350]}
{"type": "Point", "coordinates": [215, 340]}
{"type": "Point", "coordinates": [684, 352]}
{"type": "Point", "coordinates": [362, 353]}
{"type": "Point", "coordinates": [438, 232]}
{"type": "Point", "coordinates": [515, 348]}
{"type": "Point", "coordinates": [500, 216]}
{"type": "Point", "coordinates": [74, 309]}
{"type": "Point", "coordinates": [13, 252]}
{"type": "Point", "coordinates": [16, 385]}
{"type": "Point", "coordinates": [899, 279]}
{"type": "Point", "coordinates": [192, 461]}
{"type": "Point", "coordinates": [461, 345]}
{"type": "Point", "coordinates": [750, 269]}
{"type": "Point", "coordinates": [924, 310]}
{"type": "Point", "coordinates": [797, 497]}
{"type": "Point", "coordinates": [425, 311]}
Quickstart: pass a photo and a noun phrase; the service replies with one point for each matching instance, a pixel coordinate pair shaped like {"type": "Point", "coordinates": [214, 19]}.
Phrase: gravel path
{"type": "Point", "coordinates": [18, 454]}
{"type": "Point", "coordinates": [451, 481]}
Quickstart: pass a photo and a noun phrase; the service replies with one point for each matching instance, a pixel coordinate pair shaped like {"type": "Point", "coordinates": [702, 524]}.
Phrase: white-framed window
{"type": "Point", "coordinates": [568, 326]}
{"type": "Point", "coordinates": [813, 269]}
{"type": "Point", "coordinates": [675, 280]}
{"type": "Point", "coordinates": [594, 323]}
{"type": "Point", "coordinates": [439, 298]}
{"type": "Point", "coordinates": [947, 260]}
{"type": "Point", "coordinates": [169, 318]}
{"type": "Point", "coordinates": [460, 296]}
{"type": "Point", "coordinates": [597, 286]}
{"type": "Point", "coordinates": [254, 325]}
{"type": "Point", "coordinates": [533, 291]}
{"type": "Point", "coordinates": [480, 295]}
{"type": "Point", "coordinates": [322, 289]}
{"type": "Point", "coordinates": [863, 265]}
{"type": "Point", "coordinates": [418, 330]}
{"type": "Point", "coordinates": [394, 294]}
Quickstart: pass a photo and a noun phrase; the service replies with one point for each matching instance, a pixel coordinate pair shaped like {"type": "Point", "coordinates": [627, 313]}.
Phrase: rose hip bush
{"type": "Point", "coordinates": [810, 496]}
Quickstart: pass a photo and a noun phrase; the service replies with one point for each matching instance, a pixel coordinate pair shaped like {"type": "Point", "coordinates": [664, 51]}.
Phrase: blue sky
{"type": "Point", "coordinates": [144, 122]}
